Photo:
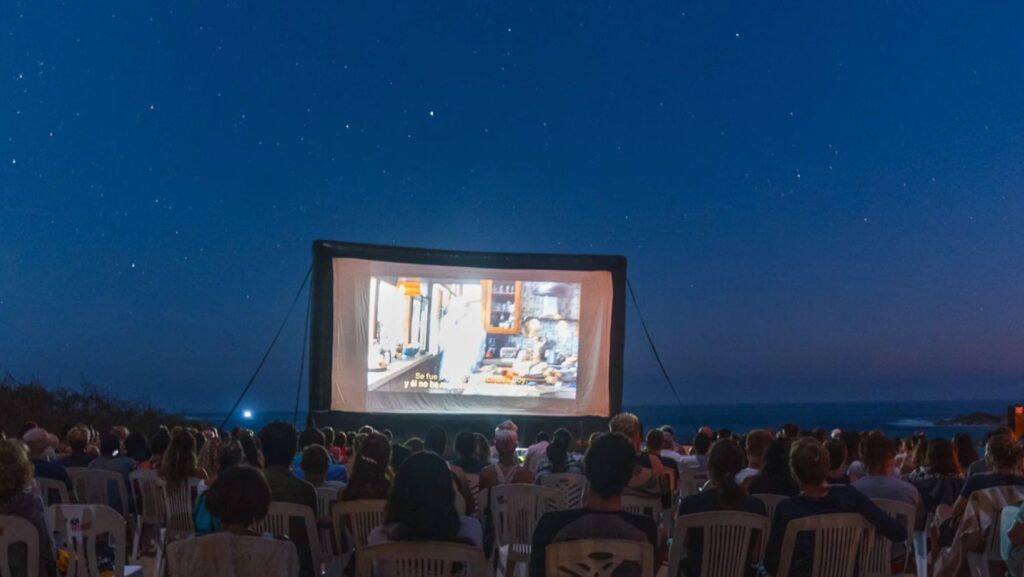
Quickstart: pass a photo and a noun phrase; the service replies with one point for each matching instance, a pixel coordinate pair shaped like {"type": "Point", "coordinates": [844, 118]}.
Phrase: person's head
{"type": "Point", "coordinates": [941, 458]}
{"type": "Point", "coordinates": [414, 444]}
{"type": "Point", "coordinates": [725, 459]}
{"type": "Point", "coordinates": [109, 444]}
{"type": "Point", "coordinates": [370, 469]}
{"type": "Point", "coordinates": [328, 436]}
{"type": "Point", "coordinates": [655, 441]}
{"type": "Point", "coordinates": [542, 437]}
{"type": "Point", "coordinates": [507, 425]}
{"type": "Point", "coordinates": [852, 441]}
{"type": "Point", "coordinates": [836, 455]}
{"type": "Point", "coordinates": [38, 442]}
{"type": "Point", "coordinates": [966, 452]}
{"type": "Point", "coordinates": [422, 501]}
{"type": "Point", "coordinates": [609, 464]}
{"type": "Point", "coordinates": [315, 461]}
{"type": "Point", "coordinates": [564, 436]}
{"type": "Point", "coordinates": [723, 433]}
{"type": "Point", "coordinates": [557, 455]}
{"type": "Point", "coordinates": [159, 441]}
{"type": "Point", "coordinates": [136, 446]}
{"type": "Point", "coordinates": [820, 434]}
{"type": "Point", "coordinates": [312, 437]}
{"type": "Point", "coordinates": [701, 443]}
{"type": "Point", "coordinates": [388, 435]}
{"type": "Point", "coordinates": [208, 458]}
{"type": "Point", "coordinates": [436, 441]}
{"type": "Point", "coordinates": [505, 443]}
{"type": "Point", "coordinates": [776, 461]}
{"type": "Point", "coordinates": [179, 460]}
{"type": "Point", "coordinates": [340, 439]}
{"type": "Point", "coordinates": [879, 453]}
{"type": "Point", "coordinates": [1002, 453]}
{"type": "Point", "coordinates": [790, 431]}
{"type": "Point", "coordinates": [758, 442]}
{"type": "Point", "coordinates": [483, 447]}
{"type": "Point", "coordinates": [250, 449]}
{"type": "Point", "coordinates": [78, 439]}
{"type": "Point", "coordinates": [670, 437]}
{"type": "Point", "coordinates": [629, 425]}
{"type": "Point", "coordinates": [465, 445]}
{"type": "Point", "coordinates": [278, 440]}
{"type": "Point", "coordinates": [809, 461]}
{"type": "Point", "coordinates": [15, 469]}
{"type": "Point", "coordinates": [239, 497]}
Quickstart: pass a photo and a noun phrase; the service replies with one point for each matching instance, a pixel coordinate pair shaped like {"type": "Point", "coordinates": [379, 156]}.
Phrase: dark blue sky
{"type": "Point", "coordinates": [818, 200]}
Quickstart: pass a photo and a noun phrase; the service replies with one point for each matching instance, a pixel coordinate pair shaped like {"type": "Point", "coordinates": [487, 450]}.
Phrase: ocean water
{"type": "Point", "coordinates": [895, 418]}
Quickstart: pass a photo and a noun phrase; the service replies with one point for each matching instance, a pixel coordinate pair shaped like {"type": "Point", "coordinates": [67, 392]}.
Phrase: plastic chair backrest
{"type": "Point", "coordinates": [149, 496]}
{"type": "Point", "coordinates": [598, 557]}
{"type": "Point", "coordinates": [99, 487]}
{"type": "Point", "coordinates": [47, 489]}
{"type": "Point", "coordinates": [876, 553]}
{"type": "Point", "coordinates": [325, 499]}
{"type": "Point", "coordinates": [728, 536]}
{"type": "Point", "coordinates": [770, 502]}
{"type": "Point", "coordinates": [18, 530]}
{"type": "Point", "coordinates": [422, 559]}
{"type": "Point", "coordinates": [691, 480]}
{"type": "Point", "coordinates": [278, 522]}
{"type": "Point", "coordinates": [646, 506]}
{"type": "Point", "coordinates": [516, 508]}
{"type": "Point", "coordinates": [358, 518]}
{"type": "Point", "coordinates": [837, 540]}
{"type": "Point", "coordinates": [227, 555]}
{"type": "Point", "coordinates": [571, 485]}
{"type": "Point", "coordinates": [83, 526]}
{"type": "Point", "coordinates": [996, 495]}
{"type": "Point", "coordinates": [178, 507]}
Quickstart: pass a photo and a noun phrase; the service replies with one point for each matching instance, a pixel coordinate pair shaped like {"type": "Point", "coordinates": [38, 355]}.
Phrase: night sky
{"type": "Point", "coordinates": [818, 201]}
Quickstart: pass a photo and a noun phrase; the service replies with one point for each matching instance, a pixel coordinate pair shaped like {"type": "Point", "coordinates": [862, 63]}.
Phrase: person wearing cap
{"type": "Point", "coordinates": [40, 447]}
{"type": "Point", "coordinates": [507, 470]}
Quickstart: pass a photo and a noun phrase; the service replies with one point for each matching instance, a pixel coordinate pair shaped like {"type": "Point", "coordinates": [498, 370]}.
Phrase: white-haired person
{"type": "Point", "coordinates": [507, 470]}
{"type": "Point", "coordinates": [16, 500]}
{"type": "Point", "coordinates": [44, 459]}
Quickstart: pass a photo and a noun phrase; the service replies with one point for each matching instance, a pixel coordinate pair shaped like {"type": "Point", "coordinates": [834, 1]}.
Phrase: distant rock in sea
{"type": "Point", "coordinates": [973, 420]}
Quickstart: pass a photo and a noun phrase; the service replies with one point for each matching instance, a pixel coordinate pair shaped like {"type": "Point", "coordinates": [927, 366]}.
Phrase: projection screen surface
{"type": "Point", "coordinates": [419, 337]}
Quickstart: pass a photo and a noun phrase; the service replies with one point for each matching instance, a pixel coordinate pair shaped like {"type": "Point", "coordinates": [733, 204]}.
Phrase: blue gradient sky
{"type": "Point", "coordinates": [818, 201]}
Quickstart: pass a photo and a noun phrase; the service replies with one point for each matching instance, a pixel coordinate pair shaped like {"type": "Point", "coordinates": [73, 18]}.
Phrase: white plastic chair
{"type": "Point", "coordinates": [227, 555]}
{"type": "Point", "coordinates": [48, 488]}
{"type": "Point", "coordinates": [149, 505]}
{"type": "Point", "coordinates": [837, 540]}
{"type": "Point", "coordinates": [18, 530]}
{"type": "Point", "coordinates": [355, 519]}
{"type": "Point", "coordinates": [646, 506]}
{"type": "Point", "coordinates": [691, 480]}
{"type": "Point", "coordinates": [278, 522]}
{"type": "Point", "coordinates": [326, 497]}
{"type": "Point", "coordinates": [728, 535]}
{"type": "Point", "coordinates": [876, 553]}
{"type": "Point", "coordinates": [94, 487]}
{"type": "Point", "coordinates": [572, 486]}
{"type": "Point", "coordinates": [178, 505]}
{"type": "Point", "coordinates": [515, 509]}
{"type": "Point", "coordinates": [770, 501]}
{"type": "Point", "coordinates": [422, 559]}
{"type": "Point", "coordinates": [979, 562]}
{"type": "Point", "coordinates": [598, 557]}
{"type": "Point", "coordinates": [82, 527]}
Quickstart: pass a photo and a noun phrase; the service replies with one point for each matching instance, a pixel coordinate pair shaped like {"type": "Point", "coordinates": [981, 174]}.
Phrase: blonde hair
{"type": "Point", "coordinates": [626, 423]}
{"type": "Point", "coordinates": [15, 469]}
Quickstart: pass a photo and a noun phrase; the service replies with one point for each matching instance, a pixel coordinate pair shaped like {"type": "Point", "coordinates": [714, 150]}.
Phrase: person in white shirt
{"type": "Point", "coordinates": [758, 442]}
{"type": "Point", "coordinates": [669, 447]}
{"type": "Point", "coordinates": [698, 458]}
{"type": "Point", "coordinates": [535, 453]}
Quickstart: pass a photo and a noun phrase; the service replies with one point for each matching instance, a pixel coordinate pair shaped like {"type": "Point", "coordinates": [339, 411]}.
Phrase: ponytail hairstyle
{"type": "Point", "coordinates": [725, 459]}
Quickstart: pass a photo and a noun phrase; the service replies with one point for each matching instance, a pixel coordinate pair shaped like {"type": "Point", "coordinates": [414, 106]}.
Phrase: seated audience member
{"type": "Point", "coordinates": [78, 441]}
{"type": "Point", "coordinates": [668, 447]}
{"type": "Point", "coordinates": [339, 450]}
{"type": "Point", "coordinates": [609, 466]}
{"type": "Point", "coordinates": [16, 500]}
{"type": "Point", "coordinates": [230, 455]}
{"type": "Point", "coordinates": [940, 480]}
{"type": "Point", "coordinates": [40, 450]}
{"type": "Point", "coordinates": [556, 460]}
{"type": "Point", "coordinates": [982, 464]}
{"type": "Point", "coordinates": [279, 440]}
{"type": "Point", "coordinates": [791, 431]}
{"type": "Point", "coordinates": [180, 462]}
{"type": "Point", "coordinates": [414, 445]}
{"type": "Point", "coordinates": [881, 481]}
{"type": "Point", "coordinates": [758, 442]}
{"type": "Point", "coordinates": [810, 464]}
{"type": "Point", "coordinates": [436, 442]}
{"type": "Point", "coordinates": [483, 449]}
{"type": "Point", "coordinates": [507, 470]}
{"type": "Point", "coordinates": [725, 460]}
{"type": "Point", "coordinates": [136, 448]}
{"type": "Point", "coordinates": [110, 460]}
{"type": "Point", "coordinates": [329, 435]}
{"type": "Point", "coordinates": [399, 453]}
{"type": "Point", "coordinates": [665, 469]}
{"type": "Point", "coordinates": [536, 451]}
{"type": "Point", "coordinates": [1003, 456]}
{"type": "Point", "coordinates": [370, 468]}
{"type": "Point", "coordinates": [854, 466]}
{"type": "Point", "coordinates": [837, 462]}
{"type": "Point", "coordinates": [776, 477]}
{"type": "Point", "coordinates": [314, 464]}
{"type": "Point", "coordinates": [239, 498]}
{"type": "Point", "coordinates": [467, 451]}
{"type": "Point", "coordinates": [966, 452]}
{"type": "Point", "coordinates": [574, 460]}
{"type": "Point", "coordinates": [158, 443]}
{"type": "Point", "coordinates": [645, 481]}
{"type": "Point", "coordinates": [251, 449]}
{"type": "Point", "coordinates": [421, 506]}
{"type": "Point", "coordinates": [314, 437]}
{"type": "Point", "coordinates": [698, 457]}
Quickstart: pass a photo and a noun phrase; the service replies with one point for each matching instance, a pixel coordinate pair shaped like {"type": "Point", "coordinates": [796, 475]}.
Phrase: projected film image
{"type": "Point", "coordinates": [492, 338]}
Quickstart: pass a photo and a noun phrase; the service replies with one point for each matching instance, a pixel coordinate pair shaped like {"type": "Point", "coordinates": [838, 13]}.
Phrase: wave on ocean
{"type": "Point", "coordinates": [913, 423]}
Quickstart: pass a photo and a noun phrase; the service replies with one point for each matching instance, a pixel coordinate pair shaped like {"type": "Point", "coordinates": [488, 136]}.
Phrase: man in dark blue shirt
{"type": "Point", "coordinates": [40, 448]}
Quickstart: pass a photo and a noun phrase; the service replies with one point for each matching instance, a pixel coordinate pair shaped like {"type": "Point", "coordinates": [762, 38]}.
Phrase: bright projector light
{"type": "Point", "coordinates": [247, 414]}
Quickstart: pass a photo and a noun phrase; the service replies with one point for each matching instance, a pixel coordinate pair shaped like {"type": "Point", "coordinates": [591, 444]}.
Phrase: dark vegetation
{"type": "Point", "coordinates": [58, 409]}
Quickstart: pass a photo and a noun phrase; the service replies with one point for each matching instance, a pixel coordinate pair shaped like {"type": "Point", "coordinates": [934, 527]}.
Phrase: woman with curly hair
{"type": "Point", "coordinates": [179, 461]}
{"type": "Point", "coordinates": [370, 471]}
{"type": "Point", "coordinates": [17, 501]}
